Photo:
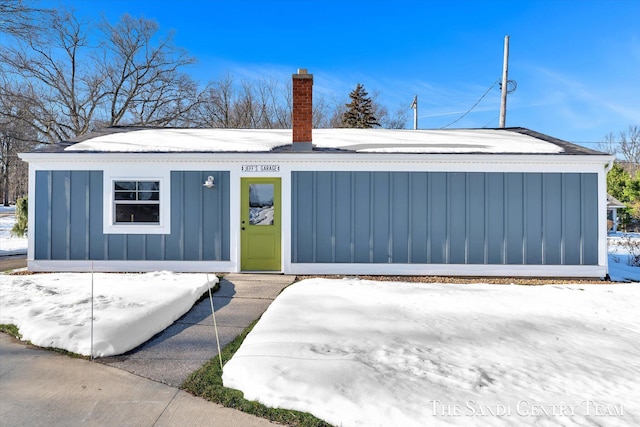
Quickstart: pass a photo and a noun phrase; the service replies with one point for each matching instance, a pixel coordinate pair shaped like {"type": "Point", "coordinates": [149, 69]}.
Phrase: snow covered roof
{"type": "Point", "coordinates": [444, 141]}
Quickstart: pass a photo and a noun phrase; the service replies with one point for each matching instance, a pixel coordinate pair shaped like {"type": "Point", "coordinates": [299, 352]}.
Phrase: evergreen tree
{"type": "Point", "coordinates": [359, 112]}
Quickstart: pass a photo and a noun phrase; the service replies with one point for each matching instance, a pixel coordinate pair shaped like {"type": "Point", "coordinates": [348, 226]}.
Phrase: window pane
{"type": "Point", "coordinates": [149, 185]}
{"type": "Point", "coordinates": [148, 195]}
{"type": "Point", "coordinates": [125, 185]}
{"type": "Point", "coordinates": [261, 204]}
{"type": "Point", "coordinates": [125, 195]}
{"type": "Point", "coordinates": [132, 213]}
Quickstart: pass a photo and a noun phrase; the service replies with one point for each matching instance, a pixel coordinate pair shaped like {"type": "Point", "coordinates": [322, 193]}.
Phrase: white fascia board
{"type": "Point", "coordinates": [588, 271]}
{"type": "Point", "coordinates": [131, 266]}
{"type": "Point", "coordinates": [328, 161]}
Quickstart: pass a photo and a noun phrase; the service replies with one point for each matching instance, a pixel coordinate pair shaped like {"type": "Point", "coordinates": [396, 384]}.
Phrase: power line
{"type": "Point", "coordinates": [474, 105]}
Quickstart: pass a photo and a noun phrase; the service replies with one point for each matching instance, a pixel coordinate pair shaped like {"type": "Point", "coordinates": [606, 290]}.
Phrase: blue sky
{"type": "Point", "coordinates": [576, 62]}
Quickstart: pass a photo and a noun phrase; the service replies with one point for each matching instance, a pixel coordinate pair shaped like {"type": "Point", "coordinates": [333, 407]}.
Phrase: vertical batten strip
{"type": "Point", "coordinates": [390, 217]}
{"type": "Point", "coordinates": [410, 178]}
{"type": "Point", "coordinates": [50, 215]}
{"type": "Point", "coordinates": [314, 216]}
{"type": "Point", "coordinates": [333, 216]}
{"type": "Point", "coordinates": [563, 225]}
{"type": "Point", "coordinates": [430, 215]}
{"type": "Point", "coordinates": [67, 193]}
{"type": "Point", "coordinates": [352, 214]}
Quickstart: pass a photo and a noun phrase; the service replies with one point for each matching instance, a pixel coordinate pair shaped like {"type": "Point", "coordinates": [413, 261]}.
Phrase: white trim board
{"type": "Point", "coordinates": [131, 266]}
{"type": "Point", "coordinates": [501, 270]}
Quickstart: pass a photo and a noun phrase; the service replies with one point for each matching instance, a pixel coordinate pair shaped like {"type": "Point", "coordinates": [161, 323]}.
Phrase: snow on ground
{"type": "Point", "coordinates": [622, 248]}
{"type": "Point", "coordinates": [364, 353]}
{"type": "Point", "coordinates": [10, 245]}
{"type": "Point", "coordinates": [370, 353]}
{"type": "Point", "coordinates": [54, 310]}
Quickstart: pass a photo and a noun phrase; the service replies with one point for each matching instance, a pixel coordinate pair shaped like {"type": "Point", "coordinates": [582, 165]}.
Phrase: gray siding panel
{"type": "Point", "coordinates": [418, 217]}
{"type": "Point", "coordinates": [324, 218]}
{"type": "Point", "coordinates": [60, 214]}
{"type": "Point", "coordinates": [514, 218]}
{"type": "Point", "coordinates": [552, 219]}
{"type": "Point", "coordinates": [135, 247]}
{"type": "Point", "coordinates": [302, 218]}
{"type": "Point", "coordinates": [79, 223]}
{"type": "Point", "coordinates": [571, 195]}
{"type": "Point", "coordinates": [116, 247]}
{"type": "Point", "coordinates": [400, 216]}
{"type": "Point", "coordinates": [363, 236]}
{"type": "Point", "coordinates": [457, 214]}
{"type": "Point", "coordinates": [495, 218]}
{"type": "Point", "coordinates": [97, 240]}
{"type": "Point", "coordinates": [445, 218]}
{"type": "Point", "coordinates": [475, 212]}
{"type": "Point", "coordinates": [70, 211]}
{"type": "Point", "coordinates": [343, 209]}
{"type": "Point", "coordinates": [533, 218]}
{"type": "Point", "coordinates": [380, 209]}
{"type": "Point", "coordinates": [437, 237]}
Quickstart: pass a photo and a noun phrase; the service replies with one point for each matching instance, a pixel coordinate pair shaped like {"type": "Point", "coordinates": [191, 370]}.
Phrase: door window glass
{"type": "Point", "coordinates": [261, 204]}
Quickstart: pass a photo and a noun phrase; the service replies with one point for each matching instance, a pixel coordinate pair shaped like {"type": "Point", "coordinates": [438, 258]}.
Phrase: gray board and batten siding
{"type": "Point", "coordinates": [445, 218]}
{"type": "Point", "coordinates": [486, 218]}
{"type": "Point", "coordinates": [69, 220]}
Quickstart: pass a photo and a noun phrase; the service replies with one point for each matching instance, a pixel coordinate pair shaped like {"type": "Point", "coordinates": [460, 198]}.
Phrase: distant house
{"type": "Point", "coordinates": [323, 201]}
{"type": "Point", "coordinates": [613, 205]}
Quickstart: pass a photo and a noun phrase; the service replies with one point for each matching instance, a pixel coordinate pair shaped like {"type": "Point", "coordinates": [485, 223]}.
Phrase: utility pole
{"type": "Point", "coordinates": [414, 106]}
{"type": "Point", "coordinates": [505, 81]}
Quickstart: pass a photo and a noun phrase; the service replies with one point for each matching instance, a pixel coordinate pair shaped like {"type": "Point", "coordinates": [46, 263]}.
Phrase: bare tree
{"type": "Point", "coordinates": [145, 85]}
{"type": "Point", "coordinates": [608, 144]}
{"type": "Point", "coordinates": [18, 19]}
{"type": "Point", "coordinates": [14, 138]}
{"type": "Point", "coordinates": [629, 146]}
{"type": "Point", "coordinates": [63, 88]}
{"type": "Point", "coordinates": [215, 108]}
{"type": "Point", "coordinates": [397, 120]}
{"type": "Point", "coordinates": [320, 112]}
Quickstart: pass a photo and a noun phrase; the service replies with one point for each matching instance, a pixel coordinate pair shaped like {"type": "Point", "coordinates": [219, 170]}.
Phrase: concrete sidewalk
{"type": "Point", "coordinates": [185, 346]}
{"type": "Point", "coordinates": [42, 388]}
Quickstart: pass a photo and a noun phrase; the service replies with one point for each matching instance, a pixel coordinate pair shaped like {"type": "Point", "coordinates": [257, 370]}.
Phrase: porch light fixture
{"type": "Point", "coordinates": [209, 182]}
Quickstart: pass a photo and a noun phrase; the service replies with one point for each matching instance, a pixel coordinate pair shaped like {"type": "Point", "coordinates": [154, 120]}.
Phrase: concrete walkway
{"type": "Point", "coordinates": [12, 262]}
{"type": "Point", "coordinates": [185, 346]}
{"type": "Point", "coordinates": [39, 387]}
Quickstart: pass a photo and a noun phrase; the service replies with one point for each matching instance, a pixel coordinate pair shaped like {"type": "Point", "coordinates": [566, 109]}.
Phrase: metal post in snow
{"type": "Point", "coordinates": [91, 357]}
{"type": "Point", "coordinates": [215, 325]}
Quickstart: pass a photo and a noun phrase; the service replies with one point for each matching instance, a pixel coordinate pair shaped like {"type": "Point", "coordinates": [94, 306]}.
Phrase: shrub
{"type": "Point", "coordinates": [632, 246]}
{"type": "Point", "coordinates": [22, 214]}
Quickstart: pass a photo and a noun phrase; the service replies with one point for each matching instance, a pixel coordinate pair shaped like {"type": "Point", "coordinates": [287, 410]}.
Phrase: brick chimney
{"type": "Point", "coordinates": [302, 110]}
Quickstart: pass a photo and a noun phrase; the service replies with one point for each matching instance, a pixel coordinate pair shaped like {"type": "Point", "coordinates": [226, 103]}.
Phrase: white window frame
{"type": "Point", "coordinates": [109, 224]}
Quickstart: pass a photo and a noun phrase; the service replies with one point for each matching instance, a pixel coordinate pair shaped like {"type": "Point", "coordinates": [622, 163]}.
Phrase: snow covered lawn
{"type": "Point", "coordinates": [54, 310]}
{"type": "Point", "coordinates": [408, 354]}
{"type": "Point", "coordinates": [10, 245]}
{"type": "Point", "coordinates": [623, 247]}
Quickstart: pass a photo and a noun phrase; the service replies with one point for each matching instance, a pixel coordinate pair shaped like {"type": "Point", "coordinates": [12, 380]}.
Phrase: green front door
{"type": "Point", "coordinates": [260, 224]}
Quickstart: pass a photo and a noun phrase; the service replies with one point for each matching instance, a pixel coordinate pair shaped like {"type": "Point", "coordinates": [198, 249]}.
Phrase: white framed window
{"type": "Point", "coordinates": [137, 204]}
